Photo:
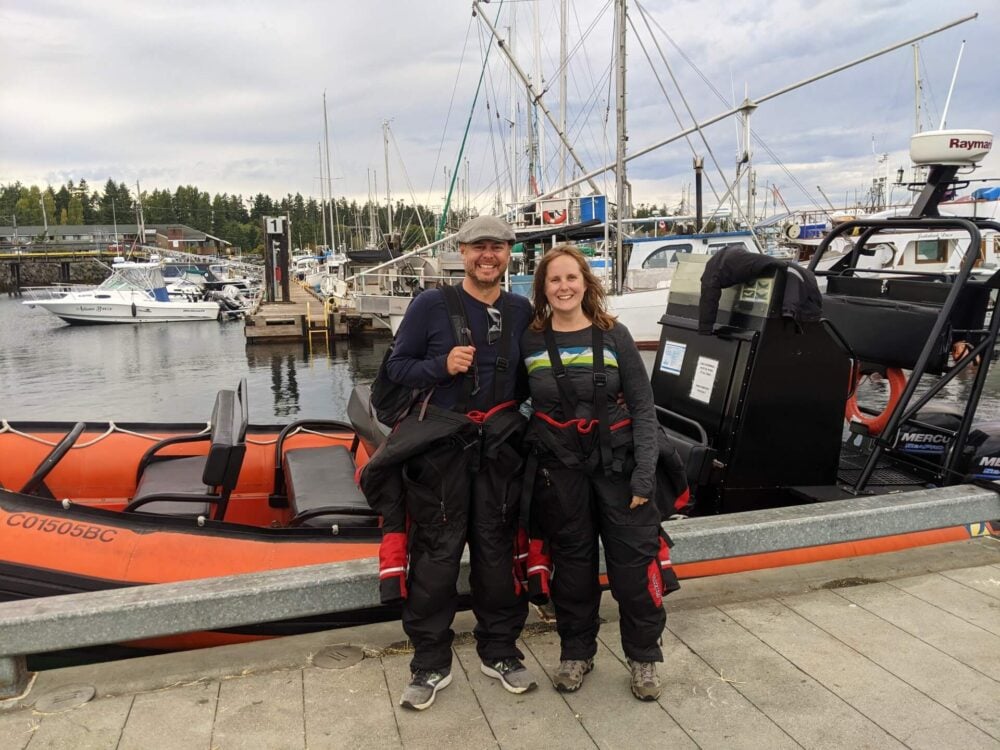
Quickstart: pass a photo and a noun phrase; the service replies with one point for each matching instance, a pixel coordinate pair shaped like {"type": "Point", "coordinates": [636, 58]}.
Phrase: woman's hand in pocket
{"type": "Point", "coordinates": [637, 501]}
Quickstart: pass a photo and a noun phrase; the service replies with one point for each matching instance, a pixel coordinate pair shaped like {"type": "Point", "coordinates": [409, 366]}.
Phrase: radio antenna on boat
{"type": "Point", "coordinates": [951, 88]}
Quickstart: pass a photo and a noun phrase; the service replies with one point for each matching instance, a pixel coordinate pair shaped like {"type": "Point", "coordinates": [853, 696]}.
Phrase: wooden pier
{"type": "Point", "coordinates": [305, 318]}
{"type": "Point", "coordinates": [887, 651]}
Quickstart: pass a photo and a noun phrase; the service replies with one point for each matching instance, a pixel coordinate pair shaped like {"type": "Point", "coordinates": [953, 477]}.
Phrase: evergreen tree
{"type": "Point", "coordinates": [74, 213]}
{"type": "Point", "coordinates": [62, 200]}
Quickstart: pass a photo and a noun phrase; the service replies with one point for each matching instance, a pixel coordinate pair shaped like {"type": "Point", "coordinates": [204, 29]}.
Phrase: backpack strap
{"type": "Point", "coordinates": [460, 329]}
{"type": "Point", "coordinates": [610, 463]}
{"type": "Point", "coordinates": [566, 395]}
{"type": "Point", "coordinates": [502, 371]}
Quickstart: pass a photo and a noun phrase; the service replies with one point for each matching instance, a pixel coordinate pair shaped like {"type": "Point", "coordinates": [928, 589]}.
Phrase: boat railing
{"type": "Point", "coordinates": [44, 293]}
{"type": "Point", "coordinates": [925, 218]}
{"type": "Point", "coordinates": [45, 624]}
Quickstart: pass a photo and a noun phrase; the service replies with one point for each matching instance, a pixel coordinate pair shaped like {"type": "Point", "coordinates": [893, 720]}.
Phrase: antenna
{"type": "Point", "coordinates": [947, 102]}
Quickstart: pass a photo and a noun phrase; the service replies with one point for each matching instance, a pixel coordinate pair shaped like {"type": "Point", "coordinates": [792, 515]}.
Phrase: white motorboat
{"type": "Point", "coordinates": [134, 293]}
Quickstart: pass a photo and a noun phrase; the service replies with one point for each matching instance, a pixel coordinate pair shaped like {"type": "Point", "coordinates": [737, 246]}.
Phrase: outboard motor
{"type": "Point", "coordinates": [982, 453]}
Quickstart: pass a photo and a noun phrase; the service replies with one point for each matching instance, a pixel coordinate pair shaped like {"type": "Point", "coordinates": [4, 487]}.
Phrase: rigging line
{"type": "Point", "coordinates": [447, 119]}
{"type": "Point", "coordinates": [930, 91]}
{"type": "Point", "coordinates": [578, 45]}
{"type": "Point", "coordinates": [673, 109]}
{"type": "Point", "coordinates": [493, 116]}
{"type": "Point", "coordinates": [753, 134]}
{"type": "Point", "coordinates": [583, 115]}
{"type": "Point", "coordinates": [409, 185]}
{"type": "Point", "coordinates": [730, 187]}
{"type": "Point", "coordinates": [795, 180]}
{"type": "Point", "coordinates": [465, 136]}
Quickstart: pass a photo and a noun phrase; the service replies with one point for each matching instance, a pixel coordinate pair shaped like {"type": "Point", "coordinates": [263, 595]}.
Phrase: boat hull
{"type": "Point", "coordinates": [82, 541]}
{"type": "Point", "coordinates": [88, 312]}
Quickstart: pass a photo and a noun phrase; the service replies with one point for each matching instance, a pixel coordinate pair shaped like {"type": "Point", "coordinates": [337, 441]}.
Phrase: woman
{"type": "Point", "coordinates": [594, 452]}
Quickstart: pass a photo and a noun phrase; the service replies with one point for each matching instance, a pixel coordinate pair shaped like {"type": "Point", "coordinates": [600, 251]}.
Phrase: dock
{"type": "Point", "coordinates": [894, 650]}
{"type": "Point", "coordinates": [306, 318]}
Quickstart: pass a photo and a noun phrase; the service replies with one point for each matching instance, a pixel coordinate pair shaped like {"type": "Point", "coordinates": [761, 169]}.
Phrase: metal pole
{"type": "Point", "coordinates": [699, 164]}
{"type": "Point", "coordinates": [388, 198]}
{"type": "Point", "coordinates": [562, 89]}
{"type": "Point", "coordinates": [322, 194]}
{"type": "Point", "coordinates": [951, 88]}
{"type": "Point", "coordinates": [334, 229]}
{"type": "Point", "coordinates": [620, 125]}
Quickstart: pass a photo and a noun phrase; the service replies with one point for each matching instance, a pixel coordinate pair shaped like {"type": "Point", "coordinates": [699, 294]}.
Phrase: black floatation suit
{"type": "Point", "coordinates": [580, 481]}
{"type": "Point", "coordinates": [443, 478]}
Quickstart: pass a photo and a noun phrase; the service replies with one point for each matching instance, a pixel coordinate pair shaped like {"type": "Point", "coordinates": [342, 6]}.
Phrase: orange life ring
{"type": "Point", "coordinates": [875, 424]}
{"type": "Point", "coordinates": [554, 217]}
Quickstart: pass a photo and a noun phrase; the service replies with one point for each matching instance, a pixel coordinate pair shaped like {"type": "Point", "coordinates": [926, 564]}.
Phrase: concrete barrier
{"type": "Point", "coordinates": [103, 617]}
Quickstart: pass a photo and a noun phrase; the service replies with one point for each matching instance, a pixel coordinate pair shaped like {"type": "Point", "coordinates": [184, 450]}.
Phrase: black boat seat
{"type": "Point", "coordinates": [178, 476]}
{"type": "Point", "coordinates": [321, 489]}
{"type": "Point", "coordinates": [193, 486]}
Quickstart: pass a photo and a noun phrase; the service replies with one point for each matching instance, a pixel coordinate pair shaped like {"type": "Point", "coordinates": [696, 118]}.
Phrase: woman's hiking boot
{"type": "Point", "coordinates": [569, 677]}
{"type": "Point", "coordinates": [645, 681]}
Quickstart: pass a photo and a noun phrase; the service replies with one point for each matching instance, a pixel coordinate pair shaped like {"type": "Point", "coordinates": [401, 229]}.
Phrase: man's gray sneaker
{"type": "Point", "coordinates": [511, 673]}
{"type": "Point", "coordinates": [569, 677]}
{"type": "Point", "coordinates": [645, 681]}
{"type": "Point", "coordinates": [424, 684]}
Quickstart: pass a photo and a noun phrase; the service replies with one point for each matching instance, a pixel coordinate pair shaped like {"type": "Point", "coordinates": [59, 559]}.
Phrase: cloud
{"type": "Point", "coordinates": [229, 97]}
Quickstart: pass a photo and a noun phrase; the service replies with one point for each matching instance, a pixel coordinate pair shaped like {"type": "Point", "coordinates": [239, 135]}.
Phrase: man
{"type": "Point", "coordinates": [450, 471]}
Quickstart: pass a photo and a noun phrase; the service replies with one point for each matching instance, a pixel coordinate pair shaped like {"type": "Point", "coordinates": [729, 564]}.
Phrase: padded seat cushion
{"type": "Point", "coordinates": [178, 476]}
{"type": "Point", "coordinates": [319, 478]}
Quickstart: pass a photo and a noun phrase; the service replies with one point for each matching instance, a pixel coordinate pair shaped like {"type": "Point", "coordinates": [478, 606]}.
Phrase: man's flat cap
{"type": "Point", "coordinates": [485, 228]}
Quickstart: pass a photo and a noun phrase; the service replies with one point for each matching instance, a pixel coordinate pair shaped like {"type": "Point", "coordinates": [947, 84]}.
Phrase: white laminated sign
{"type": "Point", "coordinates": [703, 381]}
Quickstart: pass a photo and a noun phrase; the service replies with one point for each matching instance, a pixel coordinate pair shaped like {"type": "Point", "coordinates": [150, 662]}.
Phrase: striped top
{"type": "Point", "coordinates": [571, 356]}
{"type": "Point", "coordinates": [626, 375]}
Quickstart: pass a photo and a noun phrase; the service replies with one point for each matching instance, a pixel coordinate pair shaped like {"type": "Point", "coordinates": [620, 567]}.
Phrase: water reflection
{"type": "Point", "coordinates": [167, 372]}
{"type": "Point", "coordinates": [170, 372]}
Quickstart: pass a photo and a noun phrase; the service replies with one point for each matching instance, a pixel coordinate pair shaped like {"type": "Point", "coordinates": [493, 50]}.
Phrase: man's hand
{"type": "Point", "coordinates": [460, 359]}
{"type": "Point", "coordinates": [637, 501]}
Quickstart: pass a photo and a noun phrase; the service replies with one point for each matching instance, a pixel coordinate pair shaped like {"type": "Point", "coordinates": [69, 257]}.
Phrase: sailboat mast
{"type": "Point", "coordinates": [322, 194]}
{"type": "Point", "coordinates": [620, 180]}
{"type": "Point", "coordinates": [562, 90]}
{"type": "Point", "coordinates": [332, 209]}
{"type": "Point", "coordinates": [388, 199]}
{"type": "Point", "coordinates": [539, 171]}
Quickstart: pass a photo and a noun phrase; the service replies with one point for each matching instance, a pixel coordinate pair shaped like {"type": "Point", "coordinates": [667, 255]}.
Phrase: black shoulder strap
{"type": "Point", "coordinates": [456, 312]}
{"type": "Point", "coordinates": [601, 403]}
{"type": "Point", "coordinates": [502, 370]}
{"type": "Point", "coordinates": [460, 329]}
{"type": "Point", "coordinates": [566, 395]}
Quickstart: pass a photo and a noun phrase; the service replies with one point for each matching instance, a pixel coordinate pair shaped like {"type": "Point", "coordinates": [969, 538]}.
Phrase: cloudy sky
{"type": "Point", "coordinates": [228, 96]}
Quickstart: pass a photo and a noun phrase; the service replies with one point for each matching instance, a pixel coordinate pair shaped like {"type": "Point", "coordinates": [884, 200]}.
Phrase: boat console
{"type": "Point", "coordinates": [766, 394]}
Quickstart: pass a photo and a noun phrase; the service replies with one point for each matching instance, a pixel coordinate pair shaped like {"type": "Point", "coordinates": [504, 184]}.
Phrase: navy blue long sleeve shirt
{"type": "Point", "coordinates": [425, 337]}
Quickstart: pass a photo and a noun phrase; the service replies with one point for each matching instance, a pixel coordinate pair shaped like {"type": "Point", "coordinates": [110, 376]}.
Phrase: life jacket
{"type": "Point", "coordinates": [585, 445]}
{"type": "Point", "coordinates": [381, 478]}
{"type": "Point", "coordinates": [391, 401]}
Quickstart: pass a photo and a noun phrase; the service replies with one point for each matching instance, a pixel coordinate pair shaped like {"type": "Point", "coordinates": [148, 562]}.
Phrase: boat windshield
{"type": "Point", "coordinates": [134, 276]}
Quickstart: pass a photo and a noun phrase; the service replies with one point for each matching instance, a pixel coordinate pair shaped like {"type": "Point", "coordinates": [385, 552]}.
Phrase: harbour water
{"type": "Point", "coordinates": [167, 372]}
{"type": "Point", "coordinates": [170, 372]}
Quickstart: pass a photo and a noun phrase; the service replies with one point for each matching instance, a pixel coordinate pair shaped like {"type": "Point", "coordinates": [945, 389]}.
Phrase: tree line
{"type": "Point", "coordinates": [234, 218]}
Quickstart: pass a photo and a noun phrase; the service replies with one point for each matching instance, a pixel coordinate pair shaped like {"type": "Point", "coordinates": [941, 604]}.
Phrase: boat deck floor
{"type": "Point", "coordinates": [895, 650]}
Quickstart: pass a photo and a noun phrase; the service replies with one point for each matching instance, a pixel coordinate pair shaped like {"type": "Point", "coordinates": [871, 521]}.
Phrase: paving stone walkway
{"type": "Point", "coordinates": [901, 650]}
